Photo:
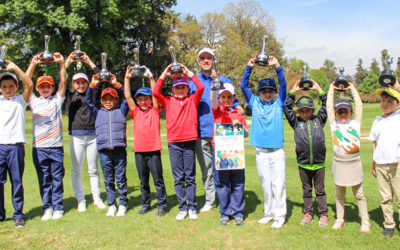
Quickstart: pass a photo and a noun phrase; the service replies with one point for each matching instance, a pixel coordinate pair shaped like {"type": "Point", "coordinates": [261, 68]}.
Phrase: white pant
{"type": "Point", "coordinates": [81, 144]}
{"type": "Point", "coordinates": [271, 167]}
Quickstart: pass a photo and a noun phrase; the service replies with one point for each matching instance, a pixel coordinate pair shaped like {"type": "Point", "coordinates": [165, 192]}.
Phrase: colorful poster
{"type": "Point", "coordinates": [229, 146]}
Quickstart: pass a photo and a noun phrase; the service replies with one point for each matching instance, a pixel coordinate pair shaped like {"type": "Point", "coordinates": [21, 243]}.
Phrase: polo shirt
{"type": "Point", "coordinates": [12, 122]}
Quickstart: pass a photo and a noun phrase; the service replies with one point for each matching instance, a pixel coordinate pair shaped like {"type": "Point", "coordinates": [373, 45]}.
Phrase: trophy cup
{"type": "Point", "coordinates": [77, 47]}
{"type": "Point", "coordinates": [387, 76]}
{"type": "Point", "coordinates": [262, 58]}
{"type": "Point", "coordinates": [104, 73]}
{"type": "Point", "coordinates": [2, 61]}
{"type": "Point", "coordinates": [341, 81]}
{"type": "Point", "coordinates": [47, 56]}
{"type": "Point", "coordinates": [305, 81]}
{"type": "Point", "coordinates": [217, 84]}
{"type": "Point", "coordinates": [175, 69]}
{"type": "Point", "coordinates": [137, 70]}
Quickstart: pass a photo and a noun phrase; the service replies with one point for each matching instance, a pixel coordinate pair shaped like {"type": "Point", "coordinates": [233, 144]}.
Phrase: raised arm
{"type": "Point", "coordinates": [127, 88]}
{"type": "Point", "coordinates": [196, 81]}
{"type": "Point", "coordinates": [120, 89]}
{"type": "Point", "coordinates": [89, 95]}
{"type": "Point", "coordinates": [32, 66]}
{"type": "Point", "coordinates": [149, 75]}
{"type": "Point", "coordinates": [357, 103]}
{"type": "Point", "coordinates": [244, 85]}
{"type": "Point", "coordinates": [157, 87]}
{"type": "Point", "coordinates": [288, 107]}
{"type": "Point", "coordinates": [329, 104]}
{"type": "Point", "coordinates": [322, 113]}
{"type": "Point", "coordinates": [84, 58]}
{"type": "Point", "coordinates": [62, 87]}
{"type": "Point", "coordinates": [214, 99]}
{"type": "Point", "coordinates": [281, 77]}
{"type": "Point", "coordinates": [26, 81]}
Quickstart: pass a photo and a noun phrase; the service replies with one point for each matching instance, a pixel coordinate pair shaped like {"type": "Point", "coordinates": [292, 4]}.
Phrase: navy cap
{"type": "Point", "coordinates": [267, 83]}
{"type": "Point", "coordinates": [143, 91]}
{"type": "Point", "coordinates": [343, 104]}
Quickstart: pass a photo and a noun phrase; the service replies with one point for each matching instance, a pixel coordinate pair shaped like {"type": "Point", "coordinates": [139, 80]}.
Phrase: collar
{"type": "Point", "coordinates": [48, 98]}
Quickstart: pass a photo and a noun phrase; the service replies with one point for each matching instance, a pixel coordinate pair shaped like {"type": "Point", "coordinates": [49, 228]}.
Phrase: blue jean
{"type": "Point", "coordinates": [12, 161]}
{"type": "Point", "coordinates": [229, 185]}
{"type": "Point", "coordinates": [50, 171]}
{"type": "Point", "coordinates": [183, 165]}
{"type": "Point", "coordinates": [113, 164]}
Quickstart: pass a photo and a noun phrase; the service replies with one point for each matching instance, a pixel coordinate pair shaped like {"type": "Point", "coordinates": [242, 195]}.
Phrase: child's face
{"type": "Point", "coordinates": [144, 102]}
{"type": "Point", "coordinates": [80, 85]}
{"type": "Point", "coordinates": [343, 115]}
{"type": "Point", "coordinates": [180, 90]}
{"type": "Point", "coordinates": [267, 94]}
{"type": "Point", "coordinates": [45, 89]}
{"type": "Point", "coordinates": [305, 113]}
{"type": "Point", "coordinates": [388, 105]}
{"type": "Point", "coordinates": [108, 102]}
{"type": "Point", "coordinates": [226, 99]}
{"type": "Point", "coordinates": [8, 88]}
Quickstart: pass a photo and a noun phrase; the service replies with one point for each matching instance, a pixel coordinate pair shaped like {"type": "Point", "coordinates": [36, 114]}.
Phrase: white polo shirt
{"type": "Point", "coordinates": [12, 119]}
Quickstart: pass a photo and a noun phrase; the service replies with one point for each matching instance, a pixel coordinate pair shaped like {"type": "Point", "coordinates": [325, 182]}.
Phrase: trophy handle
{"type": "Point", "coordinates": [173, 55]}
{"type": "Point", "coordinates": [46, 42]}
{"type": "Point", "coordinates": [3, 51]}
{"type": "Point", "coordinates": [264, 42]}
{"type": "Point", "coordinates": [104, 60]}
{"type": "Point", "coordinates": [305, 74]}
{"type": "Point", "coordinates": [136, 55]}
{"type": "Point", "coordinates": [341, 70]}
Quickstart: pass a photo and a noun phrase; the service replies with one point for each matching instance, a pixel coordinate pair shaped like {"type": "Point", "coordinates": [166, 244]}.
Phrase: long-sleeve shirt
{"type": "Point", "coordinates": [267, 117]}
{"type": "Point", "coordinates": [181, 113]}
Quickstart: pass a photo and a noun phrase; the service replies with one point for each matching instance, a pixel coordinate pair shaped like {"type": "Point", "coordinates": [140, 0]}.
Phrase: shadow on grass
{"type": "Point", "coordinates": [252, 201]}
{"type": "Point", "coordinates": [69, 203]}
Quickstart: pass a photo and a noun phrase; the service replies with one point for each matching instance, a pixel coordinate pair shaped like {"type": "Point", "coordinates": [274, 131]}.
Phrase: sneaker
{"type": "Point", "coordinates": [192, 215]}
{"type": "Point", "coordinates": [365, 226]}
{"type": "Point", "coordinates": [206, 208]}
{"type": "Point", "coordinates": [388, 232]}
{"type": "Point", "coordinates": [82, 206]}
{"type": "Point", "coordinates": [57, 214]}
{"type": "Point", "coordinates": [339, 223]}
{"type": "Point", "coordinates": [323, 220]}
{"type": "Point", "coordinates": [111, 211]}
{"type": "Point", "coordinates": [278, 223]}
{"type": "Point", "coordinates": [239, 221]}
{"type": "Point", "coordinates": [19, 223]}
{"type": "Point", "coordinates": [121, 211]}
{"type": "Point", "coordinates": [224, 221]}
{"type": "Point", "coordinates": [265, 219]}
{"type": "Point", "coordinates": [99, 204]}
{"type": "Point", "coordinates": [181, 215]}
{"type": "Point", "coordinates": [48, 214]}
{"type": "Point", "coordinates": [307, 218]}
{"type": "Point", "coordinates": [160, 212]}
{"type": "Point", "coordinates": [144, 210]}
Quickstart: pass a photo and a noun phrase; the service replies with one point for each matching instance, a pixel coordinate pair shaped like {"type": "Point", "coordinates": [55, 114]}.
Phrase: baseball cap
{"type": "Point", "coordinates": [305, 102]}
{"type": "Point", "coordinates": [227, 87]}
{"type": "Point", "coordinates": [343, 104]}
{"type": "Point", "coordinates": [267, 83]}
{"type": "Point", "coordinates": [143, 91]}
{"type": "Point", "coordinates": [109, 91]}
{"type": "Point", "coordinates": [180, 80]}
{"type": "Point", "coordinates": [80, 76]}
{"type": "Point", "coordinates": [8, 74]}
{"type": "Point", "coordinates": [45, 79]}
{"type": "Point", "coordinates": [204, 50]}
{"type": "Point", "coordinates": [392, 92]}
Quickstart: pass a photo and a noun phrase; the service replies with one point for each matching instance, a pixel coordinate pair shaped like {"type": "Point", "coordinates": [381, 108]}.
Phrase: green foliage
{"type": "Point", "coordinates": [296, 65]}
{"type": "Point", "coordinates": [330, 70]}
{"type": "Point", "coordinates": [374, 68]}
{"type": "Point", "coordinates": [360, 74]}
{"type": "Point", "coordinates": [369, 84]}
{"type": "Point", "coordinates": [320, 77]}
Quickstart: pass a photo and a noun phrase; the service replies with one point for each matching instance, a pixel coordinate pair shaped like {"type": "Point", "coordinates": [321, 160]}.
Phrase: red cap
{"type": "Point", "coordinates": [45, 79]}
{"type": "Point", "coordinates": [109, 91]}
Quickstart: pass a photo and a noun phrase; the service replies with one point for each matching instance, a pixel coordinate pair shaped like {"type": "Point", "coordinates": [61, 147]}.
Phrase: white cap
{"type": "Point", "coordinates": [204, 50]}
{"type": "Point", "coordinates": [80, 76]}
{"type": "Point", "coordinates": [228, 87]}
{"type": "Point", "coordinates": [6, 73]}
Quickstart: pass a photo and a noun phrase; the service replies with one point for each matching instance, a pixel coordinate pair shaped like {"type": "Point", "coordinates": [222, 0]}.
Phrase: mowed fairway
{"type": "Point", "coordinates": [92, 229]}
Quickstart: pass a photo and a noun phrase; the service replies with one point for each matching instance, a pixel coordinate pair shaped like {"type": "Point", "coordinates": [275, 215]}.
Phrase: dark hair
{"type": "Point", "coordinates": [7, 77]}
{"type": "Point", "coordinates": [387, 95]}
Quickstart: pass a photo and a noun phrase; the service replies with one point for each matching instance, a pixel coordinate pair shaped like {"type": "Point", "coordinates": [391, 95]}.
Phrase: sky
{"type": "Point", "coordinates": [315, 30]}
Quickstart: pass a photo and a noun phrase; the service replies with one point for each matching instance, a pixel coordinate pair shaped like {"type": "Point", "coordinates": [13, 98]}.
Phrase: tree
{"type": "Point", "coordinates": [384, 56]}
{"type": "Point", "coordinates": [360, 74]}
{"type": "Point", "coordinates": [397, 73]}
{"type": "Point", "coordinates": [330, 70]}
{"type": "Point", "coordinates": [320, 77]}
{"type": "Point", "coordinates": [374, 67]}
{"type": "Point", "coordinates": [369, 84]}
{"type": "Point", "coordinates": [212, 26]}
{"type": "Point", "coordinates": [296, 65]}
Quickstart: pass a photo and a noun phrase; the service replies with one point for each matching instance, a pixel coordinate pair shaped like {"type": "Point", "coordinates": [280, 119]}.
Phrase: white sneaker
{"type": "Point", "coordinates": [82, 206]}
{"type": "Point", "coordinates": [99, 204]}
{"type": "Point", "coordinates": [192, 215]}
{"type": "Point", "coordinates": [57, 214]}
{"type": "Point", "coordinates": [265, 219]}
{"type": "Point", "coordinates": [278, 223]}
{"type": "Point", "coordinates": [48, 214]}
{"type": "Point", "coordinates": [121, 211]}
{"type": "Point", "coordinates": [111, 211]}
{"type": "Point", "coordinates": [181, 215]}
{"type": "Point", "coordinates": [206, 208]}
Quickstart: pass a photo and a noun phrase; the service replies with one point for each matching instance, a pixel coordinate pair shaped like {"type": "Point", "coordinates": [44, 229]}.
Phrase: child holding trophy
{"type": "Point", "coordinates": [346, 166]}
{"type": "Point", "coordinates": [266, 134]}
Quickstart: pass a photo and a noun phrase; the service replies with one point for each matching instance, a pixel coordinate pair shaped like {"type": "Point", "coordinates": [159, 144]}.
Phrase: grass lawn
{"type": "Point", "coordinates": [92, 229]}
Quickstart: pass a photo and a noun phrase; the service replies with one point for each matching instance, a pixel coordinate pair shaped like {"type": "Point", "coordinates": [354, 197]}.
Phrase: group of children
{"type": "Point", "coordinates": [98, 128]}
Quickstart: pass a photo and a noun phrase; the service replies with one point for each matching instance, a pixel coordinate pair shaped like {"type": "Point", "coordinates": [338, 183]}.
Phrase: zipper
{"type": "Point", "coordinates": [310, 140]}
{"type": "Point", "coordinates": [109, 125]}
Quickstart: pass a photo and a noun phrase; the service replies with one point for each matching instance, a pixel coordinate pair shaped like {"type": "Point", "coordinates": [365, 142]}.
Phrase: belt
{"type": "Point", "coordinates": [268, 150]}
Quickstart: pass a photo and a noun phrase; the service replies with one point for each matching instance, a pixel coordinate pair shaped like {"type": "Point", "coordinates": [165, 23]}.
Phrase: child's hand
{"type": "Point", "coordinates": [36, 59]}
{"type": "Point", "coordinates": [296, 86]}
{"type": "Point", "coordinates": [58, 58]}
{"type": "Point", "coordinates": [128, 72]}
{"type": "Point", "coordinates": [273, 61]}
{"type": "Point", "coordinates": [147, 73]}
{"type": "Point", "coordinates": [185, 70]}
{"type": "Point", "coordinates": [240, 110]}
{"type": "Point", "coordinates": [316, 86]}
{"type": "Point", "coordinates": [396, 86]}
{"type": "Point", "coordinates": [334, 87]}
{"type": "Point", "coordinates": [9, 65]}
{"type": "Point", "coordinates": [214, 74]}
{"type": "Point", "coordinates": [95, 81]}
{"type": "Point", "coordinates": [349, 87]}
{"type": "Point", "coordinates": [70, 59]}
{"type": "Point", "coordinates": [373, 169]}
{"type": "Point", "coordinates": [235, 122]}
{"type": "Point", "coordinates": [167, 72]}
{"type": "Point", "coordinates": [113, 78]}
{"type": "Point", "coordinates": [252, 62]}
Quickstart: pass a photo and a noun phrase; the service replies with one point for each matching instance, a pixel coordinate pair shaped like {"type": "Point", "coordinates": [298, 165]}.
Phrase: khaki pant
{"type": "Point", "coordinates": [389, 185]}
{"type": "Point", "coordinates": [358, 194]}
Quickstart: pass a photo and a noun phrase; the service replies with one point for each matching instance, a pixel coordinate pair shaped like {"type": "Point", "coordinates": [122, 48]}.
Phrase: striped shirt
{"type": "Point", "coordinates": [46, 121]}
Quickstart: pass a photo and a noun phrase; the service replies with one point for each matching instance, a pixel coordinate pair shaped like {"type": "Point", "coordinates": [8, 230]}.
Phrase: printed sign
{"type": "Point", "coordinates": [229, 146]}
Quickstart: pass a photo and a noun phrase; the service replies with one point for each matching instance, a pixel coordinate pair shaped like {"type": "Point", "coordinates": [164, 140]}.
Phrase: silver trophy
{"type": "Point", "coordinates": [262, 58]}
{"type": "Point", "coordinates": [387, 76]}
{"type": "Point", "coordinates": [217, 84]}
{"type": "Point", "coordinates": [46, 56]}
{"type": "Point", "coordinates": [175, 69]}
{"type": "Point", "coordinates": [2, 61]}
{"type": "Point", "coordinates": [137, 70]}
{"type": "Point", "coordinates": [341, 82]}
{"type": "Point", "coordinates": [104, 73]}
{"type": "Point", "coordinates": [77, 47]}
{"type": "Point", "coordinates": [305, 81]}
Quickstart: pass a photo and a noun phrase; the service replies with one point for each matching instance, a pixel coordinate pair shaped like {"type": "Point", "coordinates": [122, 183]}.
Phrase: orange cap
{"type": "Point", "coordinates": [109, 91]}
{"type": "Point", "coordinates": [45, 79]}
